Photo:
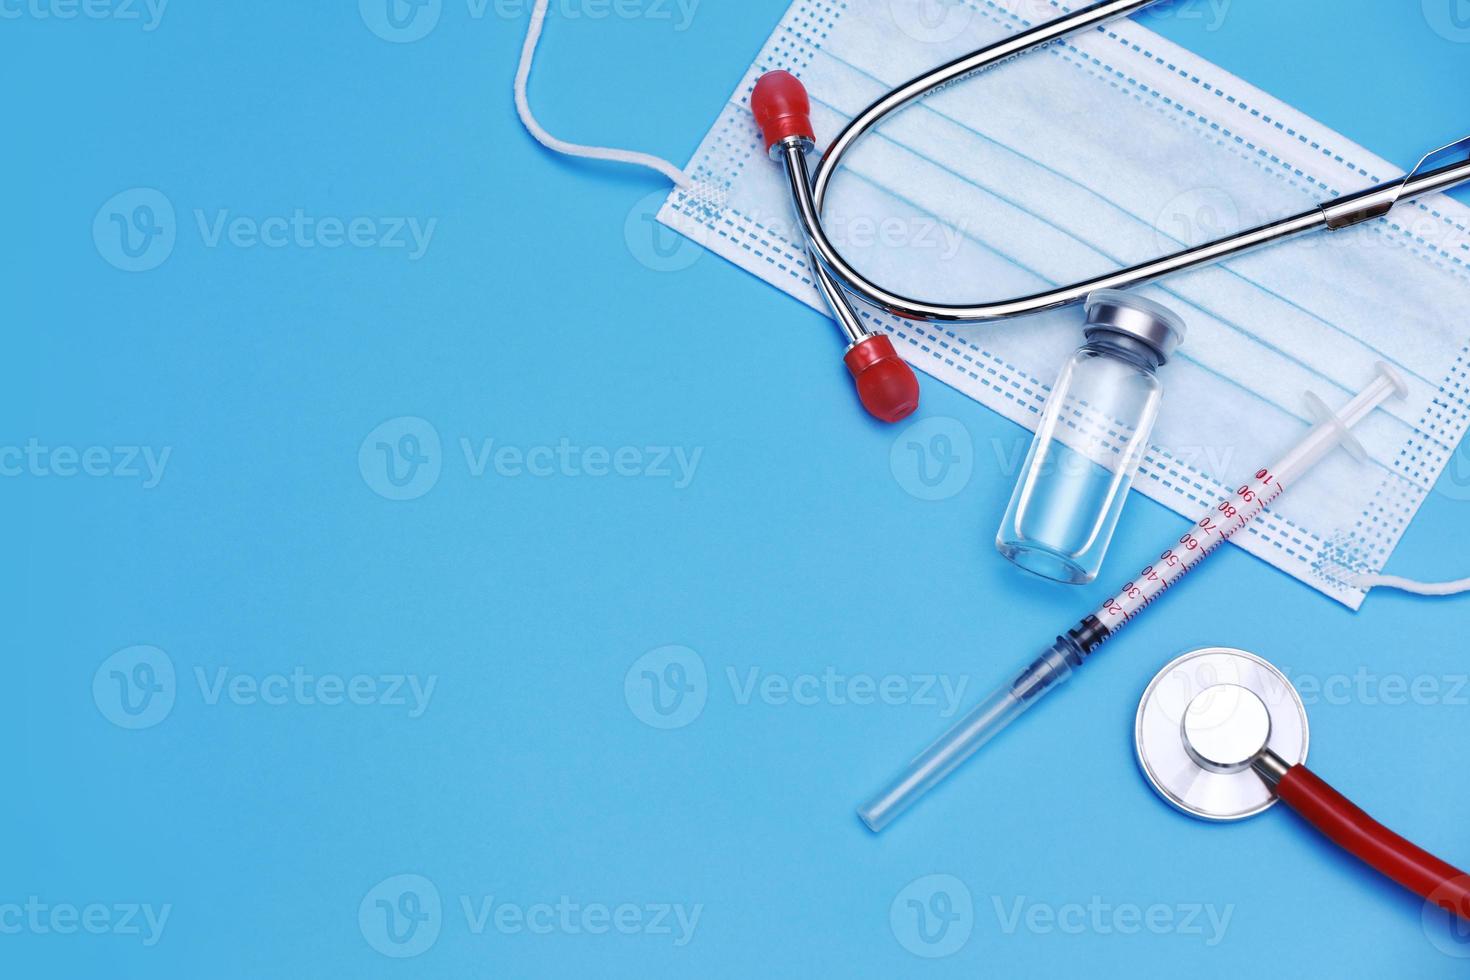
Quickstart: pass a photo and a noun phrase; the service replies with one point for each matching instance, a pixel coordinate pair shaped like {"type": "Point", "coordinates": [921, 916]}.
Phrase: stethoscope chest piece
{"type": "Point", "coordinates": [1202, 723]}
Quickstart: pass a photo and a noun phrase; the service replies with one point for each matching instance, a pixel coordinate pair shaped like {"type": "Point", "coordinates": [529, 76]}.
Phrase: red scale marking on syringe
{"type": "Point", "coordinates": [1208, 533]}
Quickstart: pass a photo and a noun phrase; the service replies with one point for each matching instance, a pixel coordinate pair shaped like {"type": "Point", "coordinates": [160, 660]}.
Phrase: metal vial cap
{"type": "Point", "coordinates": [1117, 312]}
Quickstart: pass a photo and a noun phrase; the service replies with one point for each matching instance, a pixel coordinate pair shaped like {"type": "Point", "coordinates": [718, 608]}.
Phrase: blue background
{"type": "Point", "coordinates": [535, 316]}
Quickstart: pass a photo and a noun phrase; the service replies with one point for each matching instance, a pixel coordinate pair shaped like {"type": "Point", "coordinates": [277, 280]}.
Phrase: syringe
{"type": "Point", "coordinates": [1056, 664]}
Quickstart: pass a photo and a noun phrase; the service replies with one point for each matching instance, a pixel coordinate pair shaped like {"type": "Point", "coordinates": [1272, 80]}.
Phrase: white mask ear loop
{"type": "Point", "coordinates": [1409, 585]}
{"type": "Point", "coordinates": [523, 106]}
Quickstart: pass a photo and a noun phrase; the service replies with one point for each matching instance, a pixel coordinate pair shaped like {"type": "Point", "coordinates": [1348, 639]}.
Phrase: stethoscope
{"type": "Point", "coordinates": [1222, 735]}
{"type": "Point", "coordinates": [885, 383]}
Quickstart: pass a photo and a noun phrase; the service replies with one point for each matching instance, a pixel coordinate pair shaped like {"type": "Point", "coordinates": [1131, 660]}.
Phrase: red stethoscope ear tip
{"type": "Point", "coordinates": [781, 107]}
{"type": "Point", "coordinates": [886, 385]}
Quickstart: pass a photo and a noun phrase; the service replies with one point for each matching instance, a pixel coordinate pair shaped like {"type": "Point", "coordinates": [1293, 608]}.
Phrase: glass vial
{"type": "Point", "coordinates": [1093, 435]}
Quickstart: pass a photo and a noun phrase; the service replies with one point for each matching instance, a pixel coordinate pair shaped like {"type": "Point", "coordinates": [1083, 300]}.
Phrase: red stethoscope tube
{"type": "Point", "coordinates": [1380, 848]}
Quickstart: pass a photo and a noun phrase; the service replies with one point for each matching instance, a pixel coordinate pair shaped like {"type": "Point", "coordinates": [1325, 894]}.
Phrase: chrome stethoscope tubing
{"type": "Point", "coordinates": [834, 273]}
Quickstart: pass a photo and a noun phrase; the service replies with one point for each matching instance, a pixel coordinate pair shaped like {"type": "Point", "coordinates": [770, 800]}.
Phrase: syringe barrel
{"type": "Point", "coordinates": [986, 720]}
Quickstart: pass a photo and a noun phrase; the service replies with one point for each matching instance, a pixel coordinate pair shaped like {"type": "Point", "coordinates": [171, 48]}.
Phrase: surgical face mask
{"type": "Point", "coordinates": [1103, 151]}
{"type": "Point", "coordinates": [1108, 150]}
